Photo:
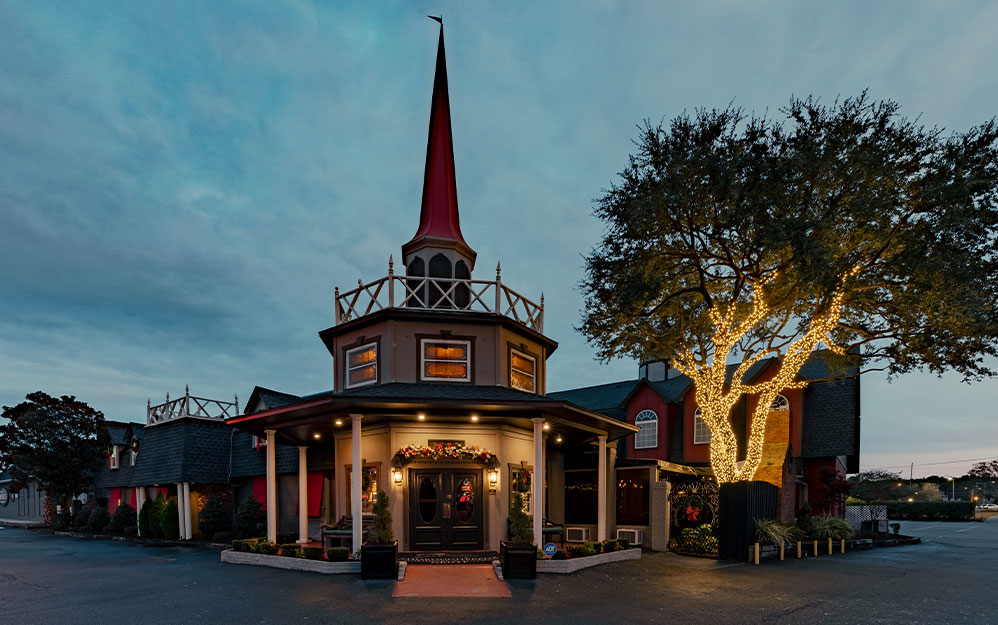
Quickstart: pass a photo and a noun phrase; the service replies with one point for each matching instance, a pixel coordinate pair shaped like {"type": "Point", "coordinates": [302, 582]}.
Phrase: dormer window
{"type": "Point", "coordinates": [112, 457]}
{"type": "Point", "coordinates": [445, 359]}
{"type": "Point", "coordinates": [647, 436]}
{"type": "Point", "coordinates": [522, 371]}
{"type": "Point", "coordinates": [362, 365]}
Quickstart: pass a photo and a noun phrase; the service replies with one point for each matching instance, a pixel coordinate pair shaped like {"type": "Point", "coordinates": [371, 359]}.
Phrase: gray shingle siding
{"type": "Point", "coordinates": [830, 418]}
{"type": "Point", "coordinates": [247, 461]}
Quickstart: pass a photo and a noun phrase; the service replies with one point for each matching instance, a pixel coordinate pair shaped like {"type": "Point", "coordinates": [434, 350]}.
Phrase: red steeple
{"type": "Point", "coordinates": [439, 222]}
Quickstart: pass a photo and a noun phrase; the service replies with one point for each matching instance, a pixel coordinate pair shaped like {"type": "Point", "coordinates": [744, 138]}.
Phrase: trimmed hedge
{"type": "Point", "coordinates": [213, 518]}
{"type": "Point", "coordinates": [149, 517]}
{"type": "Point", "coordinates": [99, 519]}
{"type": "Point", "coordinates": [123, 517]}
{"type": "Point", "coordinates": [249, 520]}
{"type": "Point", "coordinates": [930, 510]}
{"type": "Point", "coordinates": [338, 554]}
{"type": "Point", "coordinates": [265, 547]}
{"type": "Point", "coordinates": [291, 550]}
{"type": "Point", "coordinates": [169, 521]}
{"type": "Point", "coordinates": [313, 553]}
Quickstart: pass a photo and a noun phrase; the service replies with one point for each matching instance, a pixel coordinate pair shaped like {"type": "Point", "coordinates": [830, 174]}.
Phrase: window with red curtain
{"type": "Point", "coordinates": [260, 490]}
{"type": "Point", "coordinates": [112, 500]}
{"type": "Point", "coordinates": [314, 489]}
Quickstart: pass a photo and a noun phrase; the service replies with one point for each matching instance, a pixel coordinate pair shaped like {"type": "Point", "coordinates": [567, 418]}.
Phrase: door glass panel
{"type": "Point", "coordinates": [427, 501]}
{"type": "Point", "coordinates": [465, 500]}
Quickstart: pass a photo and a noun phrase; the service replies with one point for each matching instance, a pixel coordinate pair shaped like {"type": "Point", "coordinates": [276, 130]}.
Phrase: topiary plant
{"type": "Point", "coordinates": [99, 519]}
{"type": "Point", "coordinates": [82, 518]}
{"type": "Point", "coordinates": [123, 517]}
{"type": "Point", "coordinates": [803, 521]}
{"type": "Point", "coordinates": [250, 519]}
{"type": "Point", "coordinates": [169, 521]}
{"type": "Point", "coordinates": [520, 532]}
{"type": "Point", "coordinates": [214, 518]}
{"type": "Point", "coordinates": [149, 517]}
{"type": "Point", "coordinates": [381, 527]}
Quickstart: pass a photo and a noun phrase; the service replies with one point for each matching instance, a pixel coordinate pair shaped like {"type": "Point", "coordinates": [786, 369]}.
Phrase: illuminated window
{"type": "Point", "coordinates": [522, 371]}
{"type": "Point", "coordinates": [701, 433]}
{"type": "Point", "coordinates": [362, 365]}
{"type": "Point", "coordinates": [647, 436]}
{"type": "Point", "coordinates": [368, 488]}
{"type": "Point", "coordinates": [112, 457]}
{"type": "Point", "coordinates": [442, 359]}
{"type": "Point", "coordinates": [780, 403]}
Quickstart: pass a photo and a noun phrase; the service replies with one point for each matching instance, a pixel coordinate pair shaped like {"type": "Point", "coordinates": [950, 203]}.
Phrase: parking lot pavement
{"type": "Point", "coordinates": [946, 580]}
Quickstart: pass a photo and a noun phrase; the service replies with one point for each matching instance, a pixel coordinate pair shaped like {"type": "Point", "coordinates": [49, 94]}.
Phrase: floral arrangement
{"type": "Point", "coordinates": [442, 451]}
{"type": "Point", "coordinates": [521, 481]}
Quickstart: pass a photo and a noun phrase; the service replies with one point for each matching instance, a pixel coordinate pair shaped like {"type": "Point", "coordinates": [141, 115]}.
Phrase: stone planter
{"type": "Point", "coordinates": [518, 561]}
{"type": "Point", "coordinates": [576, 564]}
{"type": "Point", "coordinates": [292, 564]}
{"type": "Point", "coordinates": [379, 561]}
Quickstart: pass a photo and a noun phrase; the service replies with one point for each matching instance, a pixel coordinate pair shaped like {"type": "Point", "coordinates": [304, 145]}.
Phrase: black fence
{"type": "Point", "coordinates": [740, 504]}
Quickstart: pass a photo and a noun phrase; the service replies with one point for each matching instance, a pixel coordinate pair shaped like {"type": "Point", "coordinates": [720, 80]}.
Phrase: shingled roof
{"type": "Point", "coordinates": [184, 450]}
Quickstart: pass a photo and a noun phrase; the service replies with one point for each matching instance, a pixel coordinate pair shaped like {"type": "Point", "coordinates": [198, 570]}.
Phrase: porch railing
{"type": "Point", "coordinates": [426, 293]}
{"type": "Point", "coordinates": [190, 406]}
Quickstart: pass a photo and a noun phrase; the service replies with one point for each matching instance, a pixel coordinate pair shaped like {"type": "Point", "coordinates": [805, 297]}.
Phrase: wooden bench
{"type": "Point", "coordinates": [547, 529]}
{"type": "Point", "coordinates": [343, 530]}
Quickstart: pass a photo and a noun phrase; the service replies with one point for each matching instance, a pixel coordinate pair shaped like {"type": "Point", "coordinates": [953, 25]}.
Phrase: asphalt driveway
{"type": "Point", "coordinates": [948, 579]}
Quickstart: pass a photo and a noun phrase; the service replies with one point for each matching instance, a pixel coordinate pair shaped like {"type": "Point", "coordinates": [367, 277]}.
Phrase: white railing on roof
{"type": "Point", "coordinates": [190, 406]}
{"type": "Point", "coordinates": [425, 293]}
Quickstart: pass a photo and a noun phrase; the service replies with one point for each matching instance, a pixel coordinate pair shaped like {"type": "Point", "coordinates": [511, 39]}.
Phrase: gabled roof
{"type": "Point", "coordinates": [184, 450]}
{"type": "Point", "coordinates": [604, 398]}
{"type": "Point", "coordinates": [270, 398]}
{"type": "Point", "coordinates": [137, 430]}
{"type": "Point", "coordinates": [118, 433]}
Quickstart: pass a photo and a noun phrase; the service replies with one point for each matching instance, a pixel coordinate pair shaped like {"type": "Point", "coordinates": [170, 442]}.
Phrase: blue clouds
{"type": "Point", "coordinates": [182, 185]}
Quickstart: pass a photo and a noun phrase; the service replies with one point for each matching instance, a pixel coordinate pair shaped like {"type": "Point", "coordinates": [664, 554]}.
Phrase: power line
{"type": "Point", "coordinates": [932, 464]}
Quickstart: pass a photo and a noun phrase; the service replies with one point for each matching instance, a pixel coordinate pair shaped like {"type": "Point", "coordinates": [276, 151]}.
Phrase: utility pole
{"type": "Point", "coordinates": [911, 473]}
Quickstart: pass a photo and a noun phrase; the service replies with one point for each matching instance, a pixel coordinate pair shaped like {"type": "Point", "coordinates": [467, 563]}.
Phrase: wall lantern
{"type": "Point", "coordinates": [397, 475]}
{"type": "Point", "coordinates": [493, 479]}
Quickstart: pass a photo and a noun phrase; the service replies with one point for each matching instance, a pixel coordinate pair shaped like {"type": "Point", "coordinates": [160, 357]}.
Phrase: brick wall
{"type": "Point", "coordinates": [659, 539]}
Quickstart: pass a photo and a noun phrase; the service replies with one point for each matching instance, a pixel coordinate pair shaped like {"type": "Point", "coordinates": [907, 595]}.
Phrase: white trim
{"type": "Point", "coordinates": [652, 425]}
{"type": "Point", "coordinates": [347, 368]}
{"type": "Point", "coordinates": [423, 359]}
{"type": "Point", "coordinates": [533, 376]}
{"type": "Point", "coordinates": [698, 433]}
{"type": "Point", "coordinates": [780, 403]}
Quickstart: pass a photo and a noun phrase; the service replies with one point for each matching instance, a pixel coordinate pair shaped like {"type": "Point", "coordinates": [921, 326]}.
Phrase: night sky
{"type": "Point", "coordinates": [183, 184]}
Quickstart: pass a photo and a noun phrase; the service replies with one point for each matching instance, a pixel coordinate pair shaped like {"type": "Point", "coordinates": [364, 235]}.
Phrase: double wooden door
{"type": "Point", "coordinates": [445, 509]}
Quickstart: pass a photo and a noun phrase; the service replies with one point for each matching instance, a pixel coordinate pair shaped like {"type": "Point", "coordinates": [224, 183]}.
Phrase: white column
{"type": "Point", "coordinates": [188, 530]}
{"type": "Point", "coordinates": [271, 486]}
{"type": "Point", "coordinates": [140, 500]}
{"type": "Point", "coordinates": [355, 483]}
{"type": "Point", "coordinates": [181, 518]}
{"type": "Point", "coordinates": [538, 481]}
{"type": "Point", "coordinates": [302, 496]}
{"type": "Point", "coordinates": [601, 485]}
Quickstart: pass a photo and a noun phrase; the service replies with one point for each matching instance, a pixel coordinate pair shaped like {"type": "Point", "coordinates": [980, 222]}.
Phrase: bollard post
{"type": "Point", "coordinates": [843, 545]}
{"type": "Point", "coordinates": [798, 550]}
{"type": "Point", "coordinates": [829, 545]}
{"type": "Point", "coordinates": [757, 553]}
{"type": "Point", "coordinates": [815, 549]}
{"type": "Point", "coordinates": [782, 547]}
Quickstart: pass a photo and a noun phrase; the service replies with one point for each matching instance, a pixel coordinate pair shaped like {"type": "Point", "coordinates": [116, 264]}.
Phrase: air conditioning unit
{"type": "Point", "coordinates": [633, 537]}
{"type": "Point", "coordinates": [577, 534]}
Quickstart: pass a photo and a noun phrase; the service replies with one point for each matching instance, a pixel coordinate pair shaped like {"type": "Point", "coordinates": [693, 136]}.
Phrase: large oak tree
{"type": "Point", "coordinates": [731, 239]}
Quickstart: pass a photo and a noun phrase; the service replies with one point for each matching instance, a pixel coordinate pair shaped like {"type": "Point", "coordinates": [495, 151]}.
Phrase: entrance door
{"type": "Point", "coordinates": [445, 509]}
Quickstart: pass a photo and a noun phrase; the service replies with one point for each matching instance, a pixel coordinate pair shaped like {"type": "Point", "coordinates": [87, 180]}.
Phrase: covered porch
{"type": "Point", "coordinates": [445, 455]}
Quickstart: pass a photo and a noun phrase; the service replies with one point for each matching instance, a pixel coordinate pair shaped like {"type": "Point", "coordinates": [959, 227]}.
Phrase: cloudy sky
{"type": "Point", "coordinates": [181, 187]}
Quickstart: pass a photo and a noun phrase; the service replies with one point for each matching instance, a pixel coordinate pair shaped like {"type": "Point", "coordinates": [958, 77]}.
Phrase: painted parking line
{"type": "Point", "coordinates": [919, 529]}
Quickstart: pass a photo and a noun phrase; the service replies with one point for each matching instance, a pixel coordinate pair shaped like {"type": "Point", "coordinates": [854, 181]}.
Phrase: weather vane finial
{"type": "Point", "coordinates": [439, 19]}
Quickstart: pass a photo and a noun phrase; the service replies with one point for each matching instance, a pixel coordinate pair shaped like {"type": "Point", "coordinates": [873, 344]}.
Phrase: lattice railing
{"type": "Point", "coordinates": [190, 406]}
{"type": "Point", "coordinates": [425, 293]}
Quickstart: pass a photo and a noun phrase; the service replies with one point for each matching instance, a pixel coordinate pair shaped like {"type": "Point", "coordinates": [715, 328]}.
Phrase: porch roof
{"type": "Point", "coordinates": [298, 422]}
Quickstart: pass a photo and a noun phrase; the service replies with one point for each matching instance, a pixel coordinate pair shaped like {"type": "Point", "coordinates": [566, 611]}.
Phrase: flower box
{"type": "Point", "coordinates": [518, 561]}
{"type": "Point", "coordinates": [379, 561]}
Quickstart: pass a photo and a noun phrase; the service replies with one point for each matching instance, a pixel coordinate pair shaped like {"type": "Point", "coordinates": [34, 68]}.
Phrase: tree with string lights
{"type": "Point", "coordinates": [731, 239]}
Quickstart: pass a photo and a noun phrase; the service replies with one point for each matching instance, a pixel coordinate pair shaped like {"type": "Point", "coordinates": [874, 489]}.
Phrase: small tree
{"type": "Point", "coordinates": [100, 519]}
{"type": "Point", "coordinates": [149, 517]}
{"type": "Point", "coordinates": [520, 531]}
{"type": "Point", "coordinates": [214, 518]}
{"type": "Point", "coordinates": [57, 441]}
{"type": "Point", "coordinates": [82, 518]}
{"type": "Point", "coordinates": [381, 527]}
{"type": "Point", "coordinates": [169, 522]}
{"type": "Point", "coordinates": [124, 517]}
{"type": "Point", "coordinates": [250, 520]}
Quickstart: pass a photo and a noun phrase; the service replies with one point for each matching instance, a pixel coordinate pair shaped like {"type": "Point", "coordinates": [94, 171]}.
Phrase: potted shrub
{"type": "Point", "coordinates": [379, 556]}
{"type": "Point", "coordinates": [518, 557]}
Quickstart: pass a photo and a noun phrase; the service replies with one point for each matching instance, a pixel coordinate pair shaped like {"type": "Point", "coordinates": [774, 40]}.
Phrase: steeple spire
{"type": "Point", "coordinates": [439, 222]}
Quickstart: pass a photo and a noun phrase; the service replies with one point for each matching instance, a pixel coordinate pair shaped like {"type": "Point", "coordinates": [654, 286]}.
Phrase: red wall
{"type": "Point", "coordinates": [815, 488]}
{"type": "Point", "coordinates": [647, 399]}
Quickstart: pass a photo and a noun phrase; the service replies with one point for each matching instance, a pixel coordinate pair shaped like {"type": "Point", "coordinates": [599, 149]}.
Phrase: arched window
{"type": "Point", "coordinates": [647, 436]}
{"type": "Point", "coordinates": [780, 403]}
{"type": "Point", "coordinates": [440, 267]}
{"type": "Point", "coordinates": [418, 288]}
{"type": "Point", "coordinates": [701, 433]}
{"type": "Point", "coordinates": [461, 294]}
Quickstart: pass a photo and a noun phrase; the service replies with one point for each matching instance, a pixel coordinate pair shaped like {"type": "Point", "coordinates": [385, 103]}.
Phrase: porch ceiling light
{"type": "Point", "coordinates": [397, 475]}
{"type": "Point", "coordinates": [339, 422]}
{"type": "Point", "coordinates": [547, 426]}
{"type": "Point", "coordinates": [317, 436]}
{"type": "Point", "coordinates": [557, 439]}
{"type": "Point", "coordinates": [474, 418]}
{"type": "Point", "coordinates": [421, 417]}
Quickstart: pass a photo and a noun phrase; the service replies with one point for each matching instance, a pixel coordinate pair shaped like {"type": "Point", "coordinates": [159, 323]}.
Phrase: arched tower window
{"type": "Point", "coordinates": [416, 268]}
{"type": "Point", "coordinates": [461, 272]}
{"type": "Point", "coordinates": [647, 436]}
{"type": "Point", "coordinates": [440, 267]}
{"type": "Point", "coordinates": [701, 432]}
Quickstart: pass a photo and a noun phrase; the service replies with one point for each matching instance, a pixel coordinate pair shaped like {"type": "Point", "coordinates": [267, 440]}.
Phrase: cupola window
{"type": "Point", "coordinates": [362, 365]}
{"type": "Point", "coordinates": [522, 371]}
{"type": "Point", "coordinates": [445, 359]}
